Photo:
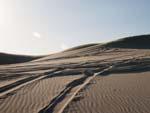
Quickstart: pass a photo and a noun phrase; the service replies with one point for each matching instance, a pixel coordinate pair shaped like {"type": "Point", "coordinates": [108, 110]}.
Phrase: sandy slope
{"type": "Point", "coordinates": [46, 86]}
{"type": "Point", "coordinates": [34, 96]}
{"type": "Point", "coordinates": [56, 83]}
{"type": "Point", "coordinates": [117, 93]}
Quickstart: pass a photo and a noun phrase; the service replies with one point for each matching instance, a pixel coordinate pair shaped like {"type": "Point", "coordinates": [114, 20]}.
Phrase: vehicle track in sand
{"type": "Point", "coordinates": [60, 98]}
{"type": "Point", "coordinates": [4, 90]}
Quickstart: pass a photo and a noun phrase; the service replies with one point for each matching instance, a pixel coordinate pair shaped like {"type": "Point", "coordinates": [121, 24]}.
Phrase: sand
{"type": "Point", "coordinates": [117, 93]}
{"type": "Point", "coordinates": [34, 96]}
{"type": "Point", "coordinates": [57, 84]}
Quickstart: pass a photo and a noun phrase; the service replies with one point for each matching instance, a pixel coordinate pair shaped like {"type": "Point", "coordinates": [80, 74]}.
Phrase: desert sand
{"type": "Point", "coordinates": [117, 81]}
{"type": "Point", "coordinates": [118, 93]}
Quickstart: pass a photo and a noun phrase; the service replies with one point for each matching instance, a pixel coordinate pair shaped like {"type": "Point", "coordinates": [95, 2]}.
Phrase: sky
{"type": "Point", "coordinates": [38, 27]}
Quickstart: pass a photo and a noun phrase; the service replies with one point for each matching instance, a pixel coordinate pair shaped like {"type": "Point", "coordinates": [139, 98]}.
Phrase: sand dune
{"type": "Point", "coordinates": [12, 58]}
{"type": "Point", "coordinates": [58, 83]}
{"type": "Point", "coordinates": [34, 96]}
{"type": "Point", "coordinates": [135, 42]}
{"type": "Point", "coordinates": [117, 93]}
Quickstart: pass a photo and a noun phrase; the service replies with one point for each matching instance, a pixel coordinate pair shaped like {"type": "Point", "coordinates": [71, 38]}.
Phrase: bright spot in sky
{"type": "Point", "coordinates": [36, 34]}
{"type": "Point", "coordinates": [64, 46]}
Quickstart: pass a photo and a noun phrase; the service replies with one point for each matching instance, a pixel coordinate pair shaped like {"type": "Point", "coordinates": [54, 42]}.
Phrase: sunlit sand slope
{"type": "Point", "coordinates": [117, 93]}
{"type": "Point", "coordinates": [93, 78]}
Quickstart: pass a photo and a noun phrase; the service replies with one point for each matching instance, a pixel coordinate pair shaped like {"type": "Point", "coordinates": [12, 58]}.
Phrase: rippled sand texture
{"type": "Point", "coordinates": [57, 84]}
{"type": "Point", "coordinates": [34, 96]}
{"type": "Point", "coordinates": [117, 93]}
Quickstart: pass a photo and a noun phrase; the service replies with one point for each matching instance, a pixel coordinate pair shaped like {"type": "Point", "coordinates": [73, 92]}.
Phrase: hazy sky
{"type": "Point", "coordinates": [46, 26]}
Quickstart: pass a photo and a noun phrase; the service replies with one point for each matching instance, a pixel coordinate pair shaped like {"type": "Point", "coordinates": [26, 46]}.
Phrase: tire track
{"type": "Point", "coordinates": [82, 82]}
{"type": "Point", "coordinates": [20, 83]}
{"type": "Point", "coordinates": [81, 87]}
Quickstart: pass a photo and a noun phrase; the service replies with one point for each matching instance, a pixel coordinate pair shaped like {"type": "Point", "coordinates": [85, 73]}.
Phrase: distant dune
{"type": "Point", "coordinates": [12, 58]}
{"type": "Point", "coordinates": [81, 47]}
{"type": "Point", "coordinates": [135, 42]}
{"type": "Point", "coordinates": [94, 78]}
